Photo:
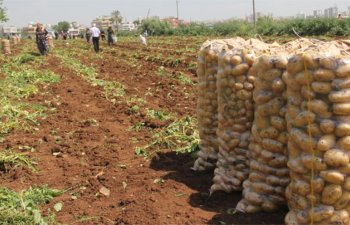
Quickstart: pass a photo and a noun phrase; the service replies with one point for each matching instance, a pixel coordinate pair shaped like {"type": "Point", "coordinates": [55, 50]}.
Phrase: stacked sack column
{"type": "Point", "coordinates": [319, 144]}
{"type": "Point", "coordinates": [207, 104]}
{"type": "Point", "coordinates": [269, 176]}
{"type": "Point", "coordinates": [6, 46]}
{"type": "Point", "coordinates": [236, 113]}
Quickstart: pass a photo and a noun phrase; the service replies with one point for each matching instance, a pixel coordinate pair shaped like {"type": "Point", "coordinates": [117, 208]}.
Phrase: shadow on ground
{"type": "Point", "coordinates": [179, 169]}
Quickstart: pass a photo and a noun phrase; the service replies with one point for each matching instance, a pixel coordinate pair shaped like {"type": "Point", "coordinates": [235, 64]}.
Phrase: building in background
{"type": "Point", "coordinates": [331, 12]}
{"type": "Point", "coordinates": [103, 22]}
{"type": "Point", "coordinates": [126, 26]}
{"type": "Point", "coordinates": [318, 13]}
{"type": "Point", "coordinates": [9, 30]}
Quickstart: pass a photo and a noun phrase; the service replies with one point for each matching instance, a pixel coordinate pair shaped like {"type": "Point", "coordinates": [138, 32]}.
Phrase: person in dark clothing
{"type": "Point", "coordinates": [56, 35]}
{"type": "Point", "coordinates": [111, 37]}
{"type": "Point", "coordinates": [41, 39]}
{"type": "Point", "coordinates": [103, 35]}
{"type": "Point", "coordinates": [88, 35]}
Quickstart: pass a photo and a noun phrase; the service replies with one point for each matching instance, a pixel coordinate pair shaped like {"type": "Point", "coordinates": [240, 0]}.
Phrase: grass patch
{"type": "Point", "coordinates": [10, 159]}
{"type": "Point", "coordinates": [23, 208]}
{"type": "Point", "coordinates": [180, 136]}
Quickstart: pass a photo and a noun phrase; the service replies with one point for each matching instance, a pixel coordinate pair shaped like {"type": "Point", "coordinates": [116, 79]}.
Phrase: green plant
{"type": "Point", "coordinates": [180, 136]}
{"type": "Point", "coordinates": [10, 159]}
{"type": "Point", "coordinates": [160, 115]}
{"type": "Point", "coordinates": [23, 208]}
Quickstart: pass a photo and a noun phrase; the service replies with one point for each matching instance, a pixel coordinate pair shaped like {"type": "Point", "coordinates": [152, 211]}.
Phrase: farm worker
{"type": "Point", "coordinates": [143, 40]}
{"type": "Point", "coordinates": [56, 35]}
{"type": "Point", "coordinates": [111, 37]}
{"type": "Point", "coordinates": [41, 39]}
{"type": "Point", "coordinates": [103, 35]}
{"type": "Point", "coordinates": [95, 33]}
{"type": "Point", "coordinates": [88, 35]}
{"type": "Point", "coordinates": [340, 17]}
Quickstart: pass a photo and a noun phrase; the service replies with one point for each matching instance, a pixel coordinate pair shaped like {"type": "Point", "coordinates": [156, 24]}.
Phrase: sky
{"type": "Point", "coordinates": [21, 12]}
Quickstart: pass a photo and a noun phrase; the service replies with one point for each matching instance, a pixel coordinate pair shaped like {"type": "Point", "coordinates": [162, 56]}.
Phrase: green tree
{"type": "Point", "coordinates": [62, 26]}
{"type": "Point", "coordinates": [3, 17]}
{"type": "Point", "coordinates": [116, 17]}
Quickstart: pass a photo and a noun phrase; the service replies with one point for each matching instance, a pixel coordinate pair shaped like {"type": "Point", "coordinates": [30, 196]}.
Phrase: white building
{"type": "Point", "coordinates": [126, 26]}
{"type": "Point", "coordinates": [317, 13]}
{"type": "Point", "coordinates": [6, 30]}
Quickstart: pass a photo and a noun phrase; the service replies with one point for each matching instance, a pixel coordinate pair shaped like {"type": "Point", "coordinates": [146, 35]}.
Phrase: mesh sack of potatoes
{"type": "Point", "coordinates": [235, 84]}
{"type": "Point", "coordinates": [235, 116]}
{"type": "Point", "coordinates": [50, 42]}
{"type": "Point", "coordinates": [318, 121]}
{"type": "Point", "coordinates": [14, 40]}
{"type": "Point", "coordinates": [268, 176]}
{"type": "Point", "coordinates": [207, 105]}
{"type": "Point", "coordinates": [6, 46]}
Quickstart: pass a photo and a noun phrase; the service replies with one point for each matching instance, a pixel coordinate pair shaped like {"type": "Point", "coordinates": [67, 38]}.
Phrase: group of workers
{"type": "Point", "coordinates": [92, 35]}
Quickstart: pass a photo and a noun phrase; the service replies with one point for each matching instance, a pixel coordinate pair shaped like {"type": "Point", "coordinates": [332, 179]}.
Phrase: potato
{"type": "Point", "coordinates": [291, 218]}
{"type": "Point", "coordinates": [304, 78]}
{"type": "Point", "coordinates": [310, 62]}
{"type": "Point", "coordinates": [249, 58]}
{"type": "Point", "coordinates": [319, 107]}
{"type": "Point", "coordinates": [343, 201]}
{"type": "Point", "coordinates": [269, 206]}
{"type": "Point", "coordinates": [272, 145]}
{"type": "Point", "coordinates": [304, 118]}
{"type": "Point", "coordinates": [321, 87]}
{"type": "Point", "coordinates": [319, 164]}
{"type": "Point", "coordinates": [341, 108]}
{"type": "Point", "coordinates": [342, 129]}
{"type": "Point", "coordinates": [296, 166]}
{"type": "Point", "coordinates": [240, 69]}
{"type": "Point", "coordinates": [323, 75]}
{"type": "Point", "coordinates": [307, 93]}
{"type": "Point", "coordinates": [295, 64]}
{"type": "Point", "coordinates": [269, 132]}
{"type": "Point", "coordinates": [283, 138]}
{"type": "Point", "coordinates": [302, 140]}
{"type": "Point", "coordinates": [328, 63]}
{"type": "Point", "coordinates": [263, 96]}
{"type": "Point", "coordinates": [326, 142]}
{"type": "Point", "coordinates": [341, 96]}
{"type": "Point", "coordinates": [298, 202]}
{"type": "Point", "coordinates": [278, 85]}
{"type": "Point", "coordinates": [236, 60]}
{"type": "Point", "coordinates": [332, 176]}
{"type": "Point", "coordinates": [339, 84]}
{"type": "Point", "coordinates": [301, 187]}
{"type": "Point", "coordinates": [322, 212]}
{"type": "Point", "coordinates": [343, 71]}
{"type": "Point", "coordinates": [263, 63]}
{"type": "Point", "coordinates": [331, 194]}
{"type": "Point", "coordinates": [340, 217]}
{"type": "Point", "coordinates": [347, 183]}
{"type": "Point", "coordinates": [336, 158]}
{"type": "Point", "coordinates": [327, 126]}
{"type": "Point", "coordinates": [270, 75]}
{"type": "Point", "coordinates": [252, 197]}
{"type": "Point", "coordinates": [344, 143]}
{"type": "Point", "coordinates": [262, 188]}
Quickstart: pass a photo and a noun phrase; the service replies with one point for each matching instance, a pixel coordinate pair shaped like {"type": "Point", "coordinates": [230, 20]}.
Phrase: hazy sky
{"type": "Point", "coordinates": [20, 12]}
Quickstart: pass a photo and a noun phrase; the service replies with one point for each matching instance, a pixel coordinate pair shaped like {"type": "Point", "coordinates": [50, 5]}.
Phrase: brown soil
{"type": "Point", "coordinates": [96, 149]}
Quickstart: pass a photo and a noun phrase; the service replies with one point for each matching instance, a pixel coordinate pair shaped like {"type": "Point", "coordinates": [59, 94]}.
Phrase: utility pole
{"type": "Point", "coordinates": [254, 19]}
{"type": "Point", "coordinates": [177, 9]}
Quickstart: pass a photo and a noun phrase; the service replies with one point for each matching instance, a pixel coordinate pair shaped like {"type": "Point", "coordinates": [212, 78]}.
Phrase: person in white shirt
{"type": "Point", "coordinates": [95, 33]}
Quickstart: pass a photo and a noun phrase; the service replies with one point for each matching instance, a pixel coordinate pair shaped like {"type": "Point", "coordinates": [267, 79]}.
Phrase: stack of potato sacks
{"type": "Point", "coordinates": [5, 44]}
{"type": "Point", "coordinates": [300, 136]}
{"type": "Point", "coordinates": [235, 85]}
{"type": "Point", "coordinates": [207, 101]}
{"type": "Point", "coordinates": [318, 120]}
